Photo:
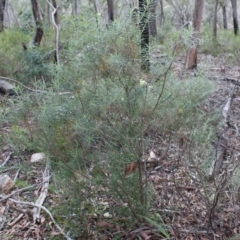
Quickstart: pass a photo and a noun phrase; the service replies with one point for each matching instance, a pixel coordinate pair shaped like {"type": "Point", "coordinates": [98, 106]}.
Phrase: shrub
{"type": "Point", "coordinates": [11, 50]}
{"type": "Point", "coordinates": [102, 129]}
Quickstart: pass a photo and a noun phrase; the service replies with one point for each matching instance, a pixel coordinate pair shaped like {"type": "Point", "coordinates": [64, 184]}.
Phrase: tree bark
{"type": "Point", "coordinates": [48, 14]}
{"type": "Point", "coordinates": [2, 7]}
{"type": "Point", "coordinates": [56, 26]}
{"type": "Point", "coordinates": [152, 19]}
{"type": "Point", "coordinates": [110, 11]}
{"type": "Point", "coordinates": [224, 13]}
{"type": "Point", "coordinates": [145, 60]}
{"type": "Point", "coordinates": [191, 59]}
{"type": "Point", "coordinates": [235, 17]}
{"type": "Point", "coordinates": [38, 21]}
{"type": "Point", "coordinates": [75, 10]}
{"type": "Point", "coordinates": [215, 21]}
{"type": "Point", "coordinates": [98, 11]}
{"type": "Point", "coordinates": [161, 13]}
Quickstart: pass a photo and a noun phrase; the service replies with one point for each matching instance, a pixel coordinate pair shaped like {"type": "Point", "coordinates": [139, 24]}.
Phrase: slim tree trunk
{"type": "Point", "coordinates": [110, 11]}
{"type": "Point", "coordinates": [2, 7]}
{"type": "Point", "coordinates": [235, 17]}
{"type": "Point", "coordinates": [38, 21]}
{"type": "Point", "coordinates": [56, 26]}
{"type": "Point", "coordinates": [224, 13]}
{"type": "Point", "coordinates": [48, 13]}
{"type": "Point", "coordinates": [161, 13]}
{"type": "Point", "coordinates": [98, 11]}
{"type": "Point", "coordinates": [215, 21]}
{"type": "Point", "coordinates": [75, 10]}
{"type": "Point", "coordinates": [55, 21]}
{"type": "Point", "coordinates": [152, 18]}
{"type": "Point", "coordinates": [191, 60]}
{"type": "Point", "coordinates": [143, 9]}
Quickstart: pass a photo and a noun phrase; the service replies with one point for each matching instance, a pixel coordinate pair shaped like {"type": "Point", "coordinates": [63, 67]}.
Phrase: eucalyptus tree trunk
{"type": "Point", "coordinates": [75, 10]}
{"type": "Point", "coordinates": [152, 18]}
{"type": "Point", "coordinates": [145, 59]}
{"type": "Point", "coordinates": [223, 5]}
{"type": "Point", "coordinates": [47, 13]}
{"type": "Point", "coordinates": [98, 11]}
{"type": "Point", "coordinates": [2, 7]}
{"type": "Point", "coordinates": [191, 59]}
{"type": "Point", "coordinates": [110, 11]}
{"type": "Point", "coordinates": [56, 26]}
{"type": "Point", "coordinates": [161, 13]}
{"type": "Point", "coordinates": [235, 16]}
{"type": "Point", "coordinates": [38, 21]}
{"type": "Point", "coordinates": [215, 21]}
{"type": "Point", "coordinates": [224, 13]}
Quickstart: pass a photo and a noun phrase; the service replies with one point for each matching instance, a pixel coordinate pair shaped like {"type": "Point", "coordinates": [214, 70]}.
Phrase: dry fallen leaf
{"type": "Point", "coordinates": [105, 225]}
{"type": "Point", "coordinates": [54, 233]}
{"type": "Point", "coordinates": [130, 168]}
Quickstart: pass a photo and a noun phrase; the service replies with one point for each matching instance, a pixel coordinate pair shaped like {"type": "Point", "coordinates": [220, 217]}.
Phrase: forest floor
{"type": "Point", "coordinates": [180, 199]}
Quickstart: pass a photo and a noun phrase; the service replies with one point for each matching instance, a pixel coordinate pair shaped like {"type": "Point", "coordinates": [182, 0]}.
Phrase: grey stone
{"type": "Point", "coordinates": [6, 184]}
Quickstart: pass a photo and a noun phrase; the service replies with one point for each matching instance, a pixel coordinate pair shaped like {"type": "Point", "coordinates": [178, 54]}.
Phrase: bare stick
{"type": "Point", "coordinates": [4, 219]}
{"type": "Point", "coordinates": [30, 89]}
{"type": "Point", "coordinates": [43, 194]}
{"type": "Point", "coordinates": [16, 176]}
{"type": "Point", "coordinates": [222, 142]}
{"type": "Point", "coordinates": [24, 86]}
{"type": "Point", "coordinates": [27, 211]}
{"type": "Point", "coordinates": [16, 220]}
{"type": "Point", "coordinates": [47, 211]}
{"type": "Point", "coordinates": [4, 198]}
{"type": "Point", "coordinates": [6, 160]}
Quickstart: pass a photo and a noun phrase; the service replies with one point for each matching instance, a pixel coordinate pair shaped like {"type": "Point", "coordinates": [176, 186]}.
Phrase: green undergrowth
{"type": "Point", "coordinates": [96, 119]}
{"type": "Point", "coordinates": [11, 50]}
{"type": "Point", "coordinates": [226, 43]}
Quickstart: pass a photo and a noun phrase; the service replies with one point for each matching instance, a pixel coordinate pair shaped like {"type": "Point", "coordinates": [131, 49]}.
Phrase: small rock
{"type": "Point", "coordinates": [6, 88]}
{"type": "Point", "coordinates": [107, 215]}
{"type": "Point", "coordinates": [37, 157]}
{"type": "Point", "coordinates": [6, 184]}
{"type": "Point", "coordinates": [152, 155]}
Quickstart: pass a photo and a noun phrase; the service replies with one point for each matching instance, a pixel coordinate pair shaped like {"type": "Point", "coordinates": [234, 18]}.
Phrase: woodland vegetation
{"type": "Point", "coordinates": [119, 119]}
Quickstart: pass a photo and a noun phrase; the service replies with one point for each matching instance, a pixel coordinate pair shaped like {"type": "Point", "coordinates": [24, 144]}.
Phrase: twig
{"type": "Point", "coordinates": [4, 219]}
{"type": "Point", "coordinates": [30, 89]}
{"type": "Point", "coordinates": [17, 82]}
{"type": "Point", "coordinates": [29, 212]}
{"type": "Point", "coordinates": [226, 79]}
{"type": "Point", "coordinates": [16, 176]}
{"type": "Point", "coordinates": [16, 220]}
{"type": "Point", "coordinates": [47, 211]}
{"type": "Point", "coordinates": [4, 198]}
{"type": "Point", "coordinates": [6, 160]}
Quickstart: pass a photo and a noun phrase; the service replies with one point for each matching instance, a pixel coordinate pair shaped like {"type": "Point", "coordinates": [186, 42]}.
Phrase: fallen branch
{"type": "Point", "coordinates": [16, 175]}
{"type": "Point", "coordinates": [4, 218]}
{"type": "Point", "coordinates": [30, 89]}
{"type": "Point", "coordinates": [6, 160]}
{"type": "Point", "coordinates": [222, 142]}
{"type": "Point", "coordinates": [4, 198]}
{"type": "Point", "coordinates": [226, 79]}
{"type": "Point", "coordinates": [16, 220]}
{"type": "Point", "coordinates": [27, 211]}
{"type": "Point", "coordinates": [47, 211]}
{"type": "Point", "coordinates": [43, 195]}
